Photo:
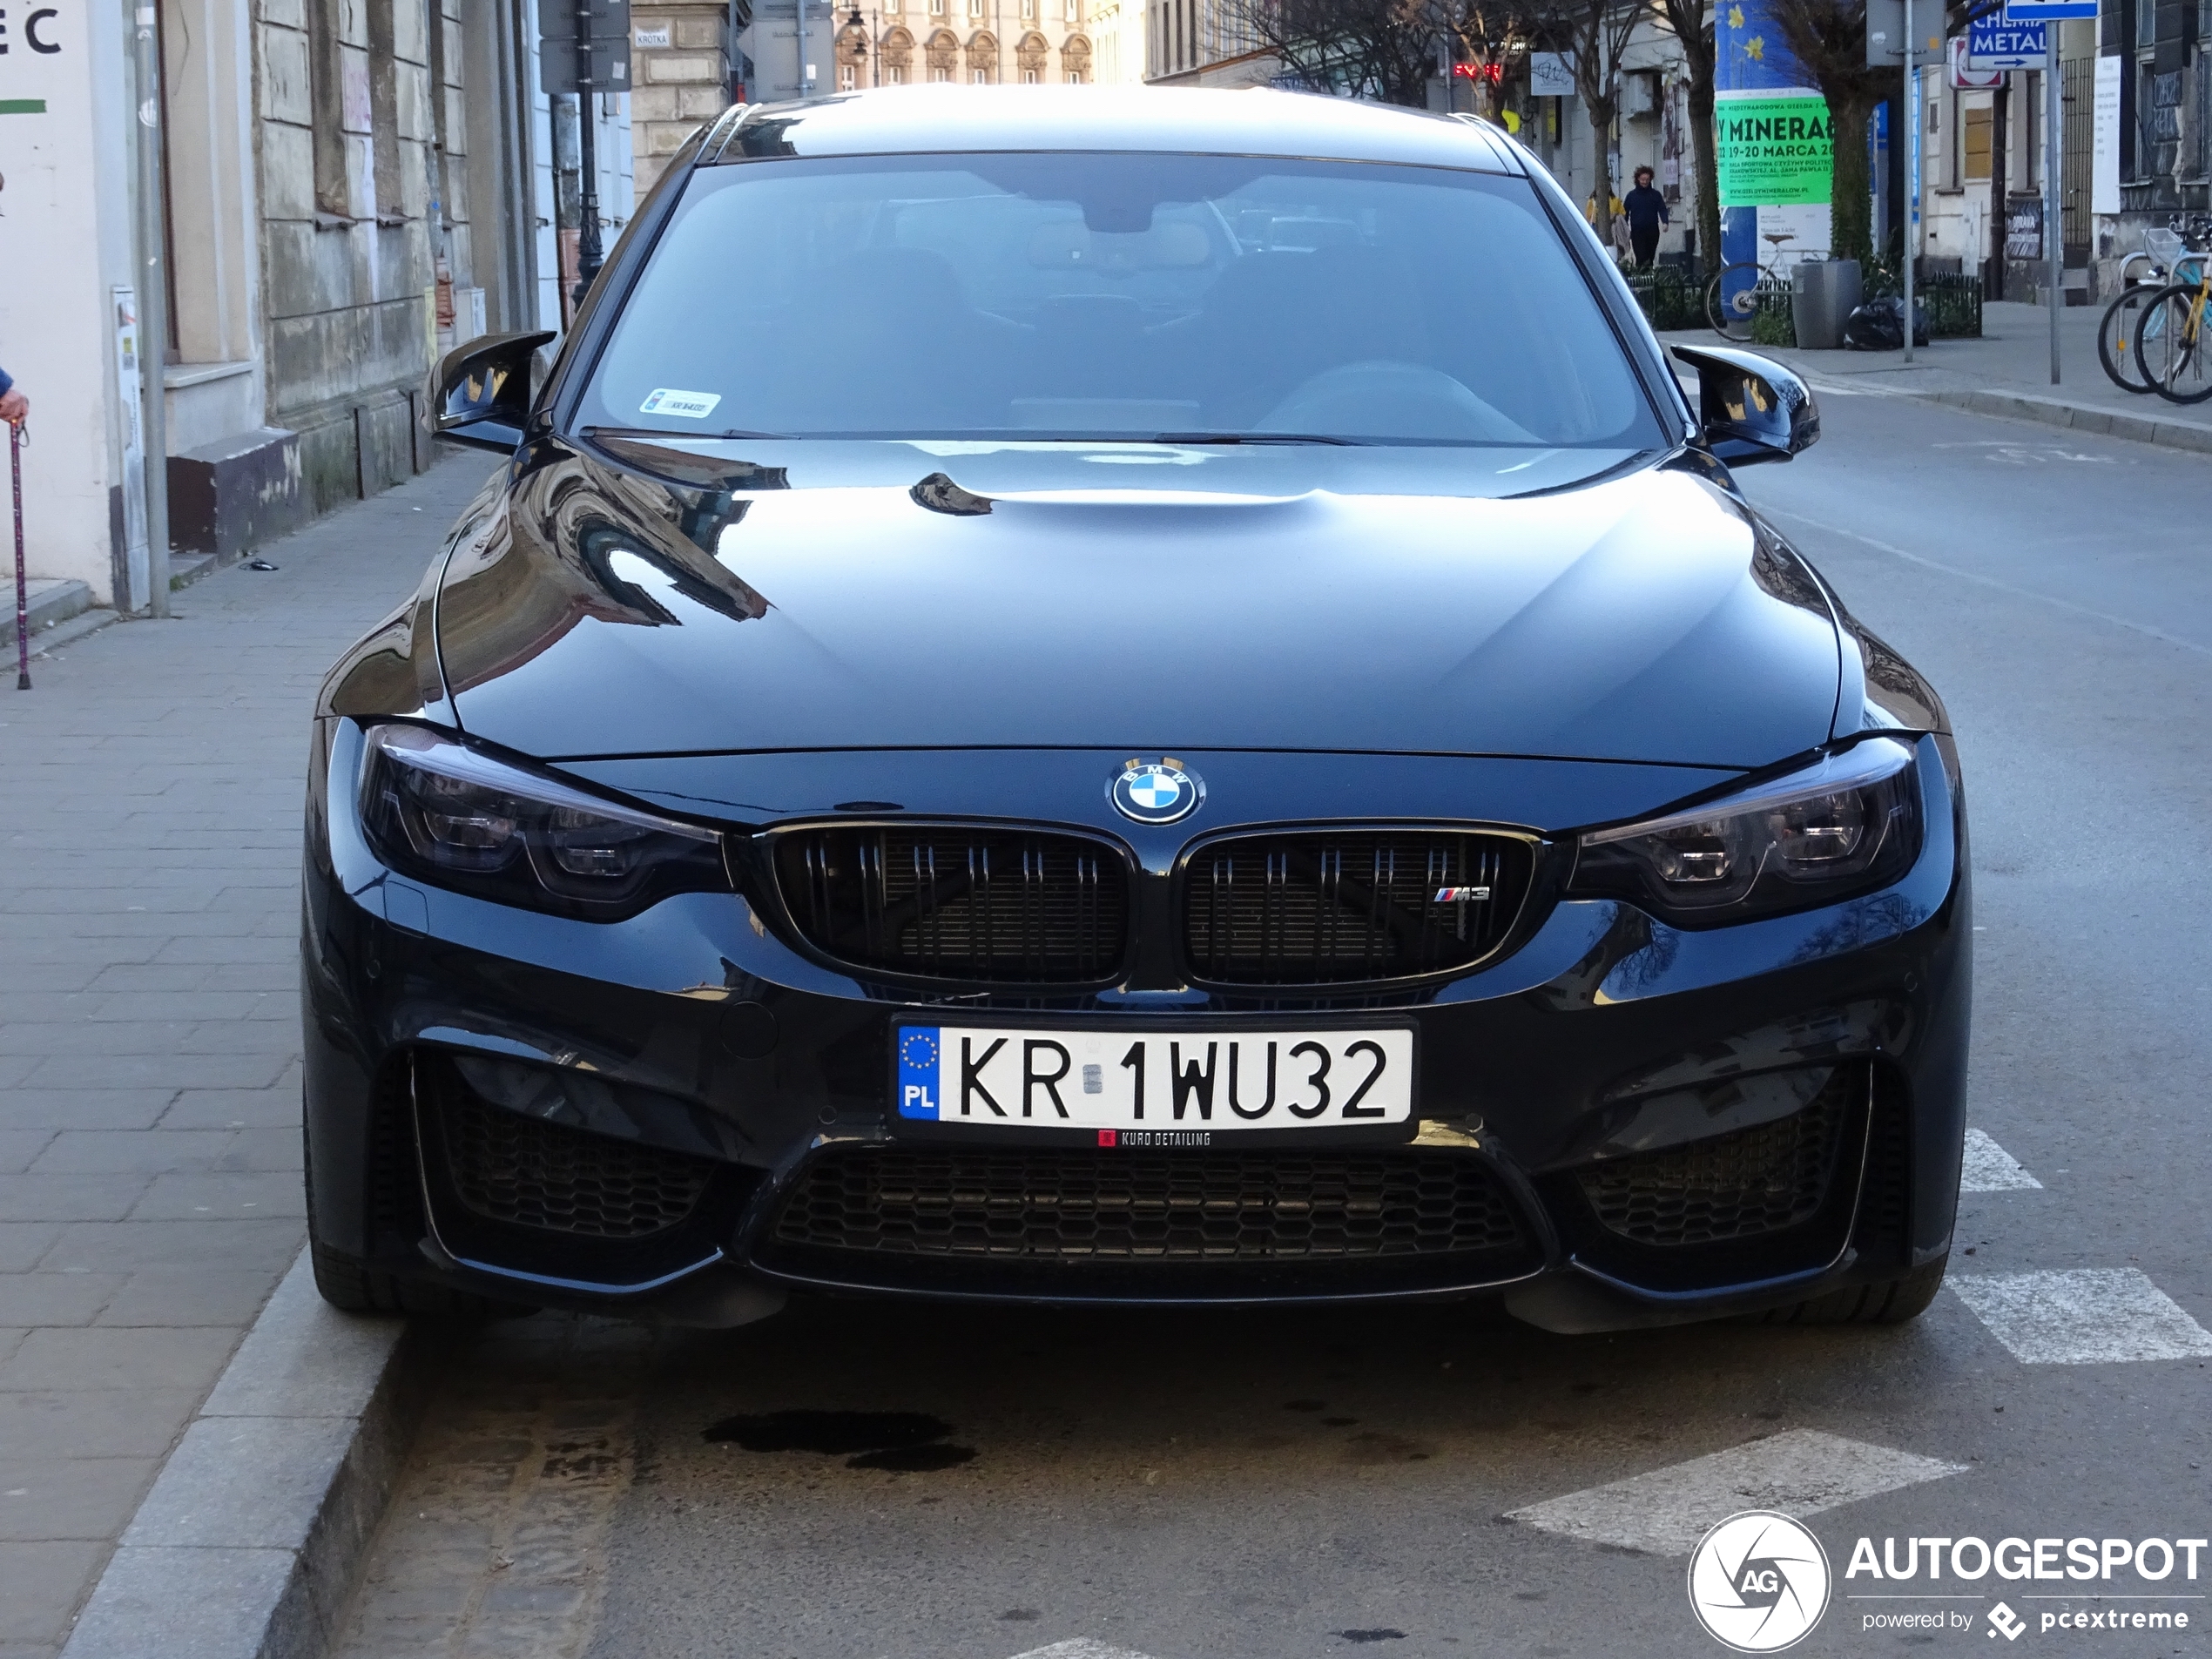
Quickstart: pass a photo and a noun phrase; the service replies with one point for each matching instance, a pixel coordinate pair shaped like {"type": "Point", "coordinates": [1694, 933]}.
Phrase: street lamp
{"type": "Point", "coordinates": [859, 42]}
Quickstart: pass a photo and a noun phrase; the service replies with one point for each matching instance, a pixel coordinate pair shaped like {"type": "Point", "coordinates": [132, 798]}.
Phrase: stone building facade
{"type": "Point", "coordinates": [352, 186]}
{"type": "Point", "coordinates": [687, 68]}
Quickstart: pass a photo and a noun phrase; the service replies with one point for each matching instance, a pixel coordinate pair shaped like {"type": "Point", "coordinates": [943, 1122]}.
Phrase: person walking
{"type": "Point", "coordinates": [1616, 222]}
{"type": "Point", "coordinates": [1646, 210]}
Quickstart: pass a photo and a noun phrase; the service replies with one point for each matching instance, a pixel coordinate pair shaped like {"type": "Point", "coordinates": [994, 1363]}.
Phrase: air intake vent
{"type": "Point", "coordinates": [1752, 1183]}
{"type": "Point", "coordinates": [979, 905]}
{"type": "Point", "coordinates": [1326, 908]}
{"type": "Point", "coordinates": [528, 1173]}
{"type": "Point", "coordinates": [1132, 1210]}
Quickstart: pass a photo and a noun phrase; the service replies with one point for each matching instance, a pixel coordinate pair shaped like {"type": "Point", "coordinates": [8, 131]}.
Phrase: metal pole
{"type": "Point", "coordinates": [589, 254]}
{"type": "Point", "coordinates": [2053, 142]}
{"type": "Point", "coordinates": [1909, 105]}
{"type": "Point", "coordinates": [15, 442]}
{"type": "Point", "coordinates": [806, 82]}
{"type": "Point", "coordinates": [153, 312]}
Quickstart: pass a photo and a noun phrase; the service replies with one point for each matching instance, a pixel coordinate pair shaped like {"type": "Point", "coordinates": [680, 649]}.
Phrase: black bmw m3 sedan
{"type": "Point", "coordinates": [1072, 695]}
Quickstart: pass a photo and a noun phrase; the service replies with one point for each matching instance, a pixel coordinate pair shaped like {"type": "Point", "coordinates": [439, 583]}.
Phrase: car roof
{"type": "Point", "coordinates": [1255, 121]}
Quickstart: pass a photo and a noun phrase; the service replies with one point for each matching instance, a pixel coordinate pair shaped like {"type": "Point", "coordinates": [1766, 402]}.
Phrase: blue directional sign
{"type": "Point", "coordinates": [2006, 43]}
{"type": "Point", "coordinates": [2048, 10]}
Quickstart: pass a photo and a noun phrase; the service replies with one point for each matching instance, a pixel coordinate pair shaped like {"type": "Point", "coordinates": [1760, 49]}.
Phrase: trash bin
{"type": "Point", "coordinates": [1823, 292]}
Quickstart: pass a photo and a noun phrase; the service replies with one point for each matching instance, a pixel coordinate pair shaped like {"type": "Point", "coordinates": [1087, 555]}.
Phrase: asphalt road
{"type": "Point", "coordinates": [1273, 1486]}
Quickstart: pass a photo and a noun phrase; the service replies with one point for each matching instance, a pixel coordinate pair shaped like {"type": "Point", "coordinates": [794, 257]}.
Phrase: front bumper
{"type": "Point", "coordinates": [706, 1058]}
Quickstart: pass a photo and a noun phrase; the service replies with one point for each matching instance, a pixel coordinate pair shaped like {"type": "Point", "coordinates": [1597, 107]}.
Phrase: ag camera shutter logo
{"type": "Point", "coordinates": [1759, 1582]}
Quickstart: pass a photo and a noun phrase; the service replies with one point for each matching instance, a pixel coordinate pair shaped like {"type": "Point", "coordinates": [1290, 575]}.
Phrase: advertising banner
{"type": "Point", "coordinates": [1773, 148]}
{"type": "Point", "coordinates": [2104, 171]}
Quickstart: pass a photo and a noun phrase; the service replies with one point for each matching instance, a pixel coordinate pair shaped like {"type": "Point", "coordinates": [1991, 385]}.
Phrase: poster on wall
{"type": "Point", "coordinates": [1773, 149]}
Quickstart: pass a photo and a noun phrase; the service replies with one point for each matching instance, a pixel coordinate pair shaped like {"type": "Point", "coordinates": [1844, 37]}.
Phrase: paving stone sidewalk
{"type": "Point", "coordinates": [150, 798]}
{"type": "Point", "coordinates": [2007, 372]}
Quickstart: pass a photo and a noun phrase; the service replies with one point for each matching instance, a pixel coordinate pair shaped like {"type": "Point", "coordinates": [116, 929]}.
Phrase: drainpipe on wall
{"type": "Point", "coordinates": [153, 312]}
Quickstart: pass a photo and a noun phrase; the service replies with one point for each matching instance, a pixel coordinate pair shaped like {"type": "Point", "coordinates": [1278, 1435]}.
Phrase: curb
{"type": "Point", "coordinates": [247, 1546]}
{"type": "Point", "coordinates": [2079, 417]}
{"type": "Point", "coordinates": [52, 602]}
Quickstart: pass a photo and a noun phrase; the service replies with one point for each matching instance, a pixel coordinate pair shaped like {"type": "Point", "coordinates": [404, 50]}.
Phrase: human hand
{"type": "Point", "coordinates": [14, 408]}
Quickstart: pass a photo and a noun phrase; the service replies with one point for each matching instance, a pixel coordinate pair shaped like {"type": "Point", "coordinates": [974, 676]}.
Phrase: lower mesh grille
{"type": "Point", "coordinates": [1133, 1209]}
{"type": "Point", "coordinates": [507, 1168]}
{"type": "Point", "coordinates": [1754, 1181]}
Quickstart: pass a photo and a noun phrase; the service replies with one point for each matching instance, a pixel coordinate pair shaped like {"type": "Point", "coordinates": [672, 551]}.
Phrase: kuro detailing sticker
{"type": "Point", "coordinates": [693, 406]}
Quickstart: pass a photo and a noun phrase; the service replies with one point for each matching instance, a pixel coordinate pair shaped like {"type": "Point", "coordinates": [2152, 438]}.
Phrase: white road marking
{"type": "Point", "coordinates": [1080, 1647]}
{"type": "Point", "coordinates": [1989, 1168]}
{"type": "Point", "coordinates": [1800, 1471]}
{"type": "Point", "coordinates": [2082, 1316]}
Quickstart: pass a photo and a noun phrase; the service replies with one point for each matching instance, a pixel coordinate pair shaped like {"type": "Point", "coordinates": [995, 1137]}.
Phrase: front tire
{"type": "Point", "coordinates": [1896, 1301]}
{"type": "Point", "coordinates": [2120, 338]}
{"type": "Point", "coordinates": [2170, 352]}
{"type": "Point", "coordinates": [351, 1285]}
{"type": "Point", "coordinates": [1731, 315]}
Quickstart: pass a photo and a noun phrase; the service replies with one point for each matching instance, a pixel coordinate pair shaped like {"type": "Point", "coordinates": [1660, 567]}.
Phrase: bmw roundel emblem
{"type": "Point", "coordinates": [1155, 791]}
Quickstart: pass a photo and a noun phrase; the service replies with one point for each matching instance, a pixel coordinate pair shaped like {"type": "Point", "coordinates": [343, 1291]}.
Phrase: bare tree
{"type": "Point", "coordinates": [1386, 49]}
{"type": "Point", "coordinates": [1691, 22]}
{"type": "Point", "coordinates": [1594, 35]}
{"type": "Point", "coordinates": [1828, 39]}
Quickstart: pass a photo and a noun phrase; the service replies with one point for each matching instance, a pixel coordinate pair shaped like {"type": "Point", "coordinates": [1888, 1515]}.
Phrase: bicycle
{"type": "Point", "coordinates": [2176, 357]}
{"type": "Point", "coordinates": [1737, 292]}
{"type": "Point", "coordinates": [2165, 258]}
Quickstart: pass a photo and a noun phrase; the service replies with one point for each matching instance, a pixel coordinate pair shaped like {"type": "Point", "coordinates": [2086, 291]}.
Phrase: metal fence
{"type": "Point", "coordinates": [1951, 303]}
{"type": "Point", "coordinates": [1669, 298]}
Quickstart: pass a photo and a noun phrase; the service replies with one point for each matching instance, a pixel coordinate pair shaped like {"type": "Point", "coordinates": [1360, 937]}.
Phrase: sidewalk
{"type": "Point", "coordinates": [149, 794]}
{"type": "Point", "coordinates": [2006, 372]}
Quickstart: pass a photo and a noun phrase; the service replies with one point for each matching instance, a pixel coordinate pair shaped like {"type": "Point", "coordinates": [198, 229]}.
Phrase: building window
{"type": "Point", "coordinates": [848, 78]}
{"type": "Point", "coordinates": [1029, 77]}
{"type": "Point", "coordinates": [941, 77]}
{"type": "Point", "coordinates": [895, 76]}
{"type": "Point", "coordinates": [1974, 132]}
{"type": "Point", "coordinates": [1074, 78]}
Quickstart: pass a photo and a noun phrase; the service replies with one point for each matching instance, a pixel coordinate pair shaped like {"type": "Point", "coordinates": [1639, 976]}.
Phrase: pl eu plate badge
{"type": "Point", "coordinates": [919, 1095]}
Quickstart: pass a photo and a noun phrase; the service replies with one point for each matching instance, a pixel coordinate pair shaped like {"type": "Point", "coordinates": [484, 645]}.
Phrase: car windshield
{"type": "Point", "coordinates": [1096, 297]}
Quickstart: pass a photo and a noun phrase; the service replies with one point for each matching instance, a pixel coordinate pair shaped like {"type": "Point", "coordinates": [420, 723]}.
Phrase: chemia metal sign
{"type": "Point", "coordinates": [1775, 149]}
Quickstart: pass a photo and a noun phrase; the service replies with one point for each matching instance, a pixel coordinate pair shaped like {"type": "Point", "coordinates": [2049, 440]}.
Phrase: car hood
{"type": "Point", "coordinates": [798, 596]}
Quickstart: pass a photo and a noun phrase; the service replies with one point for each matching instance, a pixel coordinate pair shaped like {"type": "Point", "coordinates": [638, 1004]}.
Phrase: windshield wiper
{"type": "Point", "coordinates": [1253, 437]}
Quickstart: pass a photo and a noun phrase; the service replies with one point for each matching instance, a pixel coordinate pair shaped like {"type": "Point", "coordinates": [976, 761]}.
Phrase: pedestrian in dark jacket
{"type": "Point", "coordinates": [1646, 210]}
{"type": "Point", "coordinates": [14, 408]}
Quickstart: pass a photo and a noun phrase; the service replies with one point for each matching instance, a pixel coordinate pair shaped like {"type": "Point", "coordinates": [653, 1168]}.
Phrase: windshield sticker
{"type": "Point", "coordinates": [693, 406]}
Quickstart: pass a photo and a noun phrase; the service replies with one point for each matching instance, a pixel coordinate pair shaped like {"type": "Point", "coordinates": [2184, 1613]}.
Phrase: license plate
{"type": "Point", "coordinates": [1160, 1086]}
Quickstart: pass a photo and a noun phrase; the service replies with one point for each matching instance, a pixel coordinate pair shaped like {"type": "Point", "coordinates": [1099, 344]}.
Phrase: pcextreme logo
{"type": "Point", "coordinates": [1759, 1582]}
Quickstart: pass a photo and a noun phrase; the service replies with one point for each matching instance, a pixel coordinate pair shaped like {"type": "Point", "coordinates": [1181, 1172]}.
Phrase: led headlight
{"type": "Point", "coordinates": [1848, 825]}
{"type": "Point", "coordinates": [453, 815]}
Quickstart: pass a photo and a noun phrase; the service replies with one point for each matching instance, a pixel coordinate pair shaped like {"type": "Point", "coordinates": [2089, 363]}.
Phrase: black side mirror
{"type": "Point", "coordinates": [1752, 408]}
{"type": "Point", "coordinates": [480, 395]}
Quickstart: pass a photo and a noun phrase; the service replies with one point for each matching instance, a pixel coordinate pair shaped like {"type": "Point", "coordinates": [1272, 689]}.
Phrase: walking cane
{"type": "Point", "coordinates": [17, 439]}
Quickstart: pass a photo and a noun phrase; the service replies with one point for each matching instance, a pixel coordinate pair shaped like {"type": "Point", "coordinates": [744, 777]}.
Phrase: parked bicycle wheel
{"type": "Point", "coordinates": [2119, 335]}
{"type": "Point", "coordinates": [1731, 299]}
{"type": "Point", "coordinates": [2178, 357]}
